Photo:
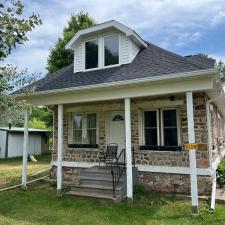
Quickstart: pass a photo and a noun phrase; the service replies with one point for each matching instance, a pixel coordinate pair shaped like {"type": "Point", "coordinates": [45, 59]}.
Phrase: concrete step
{"type": "Point", "coordinates": [97, 189]}
{"type": "Point", "coordinates": [97, 169]}
{"type": "Point", "coordinates": [93, 195]}
{"type": "Point", "coordinates": [90, 180]}
{"type": "Point", "coordinates": [104, 178]}
{"type": "Point", "coordinates": [97, 186]}
{"type": "Point", "coordinates": [97, 174]}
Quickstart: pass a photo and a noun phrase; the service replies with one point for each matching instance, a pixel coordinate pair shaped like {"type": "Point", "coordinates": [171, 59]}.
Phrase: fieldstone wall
{"type": "Point", "coordinates": [217, 126]}
{"type": "Point", "coordinates": [174, 183]}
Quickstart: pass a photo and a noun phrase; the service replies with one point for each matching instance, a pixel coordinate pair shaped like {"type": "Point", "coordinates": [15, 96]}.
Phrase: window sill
{"type": "Point", "coordinates": [83, 146]}
{"type": "Point", "coordinates": [147, 148]}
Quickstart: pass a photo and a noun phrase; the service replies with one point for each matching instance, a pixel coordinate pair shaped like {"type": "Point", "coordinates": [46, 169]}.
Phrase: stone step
{"type": "Point", "coordinates": [93, 195]}
{"type": "Point", "coordinates": [101, 178]}
{"type": "Point", "coordinates": [96, 169]}
{"type": "Point", "coordinates": [97, 186]}
{"type": "Point", "coordinates": [91, 180]}
{"type": "Point", "coordinates": [97, 189]}
{"type": "Point", "coordinates": [97, 174]}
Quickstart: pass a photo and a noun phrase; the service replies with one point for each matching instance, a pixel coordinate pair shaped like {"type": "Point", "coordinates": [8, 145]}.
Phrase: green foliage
{"type": "Point", "coordinates": [59, 57]}
{"type": "Point", "coordinates": [13, 31]}
{"type": "Point", "coordinates": [13, 26]}
{"type": "Point", "coordinates": [38, 124]}
{"type": "Point", "coordinates": [139, 192]}
{"type": "Point", "coordinates": [43, 115]}
{"type": "Point", "coordinates": [221, 174]}
{"type": "Point", "coordinates": [220, 66]}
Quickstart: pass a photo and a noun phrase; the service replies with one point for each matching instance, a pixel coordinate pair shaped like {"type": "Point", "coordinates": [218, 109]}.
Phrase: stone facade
{"type": "Point", "coordinates": [154, 181]}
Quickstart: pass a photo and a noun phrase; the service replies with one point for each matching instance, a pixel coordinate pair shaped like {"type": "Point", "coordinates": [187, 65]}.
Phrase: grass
{"type": "Point", "coordinates": [11, 169]}
{"type": "Point", "coordinates": [39, 205]}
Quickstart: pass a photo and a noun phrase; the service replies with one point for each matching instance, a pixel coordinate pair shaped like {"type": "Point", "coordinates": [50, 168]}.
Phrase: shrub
{"type": "Point", "coordinates": [221, 174]}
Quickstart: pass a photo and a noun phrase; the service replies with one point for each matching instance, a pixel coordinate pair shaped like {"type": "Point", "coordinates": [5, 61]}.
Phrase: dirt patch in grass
{"type": "Point", "coordinates": [11, 169]}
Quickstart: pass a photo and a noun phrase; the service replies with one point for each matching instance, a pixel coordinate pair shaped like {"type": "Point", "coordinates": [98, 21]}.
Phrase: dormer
{"type": "Point", "coordinates": [105, 45]}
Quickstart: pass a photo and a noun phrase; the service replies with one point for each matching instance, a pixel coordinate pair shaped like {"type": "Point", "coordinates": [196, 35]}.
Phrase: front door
{"type": "Point", "coordinates": [116, 129]}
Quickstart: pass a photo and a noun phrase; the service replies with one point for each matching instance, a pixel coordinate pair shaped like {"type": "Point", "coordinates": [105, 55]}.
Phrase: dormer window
{"type": "Point", "coordinates": [111, 50]}
{"type": "Point", "coordinates": [91, 54]}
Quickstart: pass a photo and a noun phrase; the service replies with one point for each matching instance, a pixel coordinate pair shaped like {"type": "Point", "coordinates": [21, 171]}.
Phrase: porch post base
{"type": "Point", "coordinates": [59, 192]}
{"type": "Point", "coordinates": [24, 187]}
{"type": "Point", "coordinates": [130, 200]}
{"type": "Point", "coordinates": [194, 210]}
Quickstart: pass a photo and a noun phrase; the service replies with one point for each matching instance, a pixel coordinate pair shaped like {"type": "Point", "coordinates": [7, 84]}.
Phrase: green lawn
{"type": "Point", "coordinates": [11, 169]}
{"type": "Point", "coordinates": [39, 205]}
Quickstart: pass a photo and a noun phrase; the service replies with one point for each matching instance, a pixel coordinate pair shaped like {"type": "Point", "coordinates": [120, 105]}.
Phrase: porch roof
{"type": "Point", "coordinates": [149, 63]}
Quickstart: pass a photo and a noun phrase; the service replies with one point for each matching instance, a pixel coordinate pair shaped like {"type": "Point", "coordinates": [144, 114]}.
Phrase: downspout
{"type": "Point", "coordinates": [213, 195]}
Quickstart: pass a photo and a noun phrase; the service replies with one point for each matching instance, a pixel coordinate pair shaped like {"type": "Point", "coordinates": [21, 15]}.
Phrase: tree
{"type": "Point", "coordinates": [13, 26]}
{"type": "Point", "coordinates": [59, 57]}
{"type": "Point", "coordinates": [14, 29]}
{"type": "Point", "coordinates": [220, 66]}
{"type": "Point", "coordinates": [41, 115]}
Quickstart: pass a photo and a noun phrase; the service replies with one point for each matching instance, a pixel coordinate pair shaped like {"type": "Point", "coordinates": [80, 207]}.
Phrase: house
{"type": "Point", "coordinates": [122, 89]}
{"type": "Point", "coordinates": [11, 142]}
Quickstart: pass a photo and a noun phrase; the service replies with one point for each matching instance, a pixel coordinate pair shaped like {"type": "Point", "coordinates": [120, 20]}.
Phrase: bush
{"type": "Point", "coordinates": [221, 174]}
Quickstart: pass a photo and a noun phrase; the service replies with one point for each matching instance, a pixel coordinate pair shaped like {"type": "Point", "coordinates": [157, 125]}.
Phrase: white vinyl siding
{"type": "Point", "coordinates": [78, 58]}
{"type": "Point", "coordinates": [125, 50]}
{"type": "Point", "coordinates": [134, 50]}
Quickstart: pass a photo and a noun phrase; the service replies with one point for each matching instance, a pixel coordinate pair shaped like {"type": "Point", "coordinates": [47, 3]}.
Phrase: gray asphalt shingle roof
{"type": "Point", "coordinates": [150, 62]}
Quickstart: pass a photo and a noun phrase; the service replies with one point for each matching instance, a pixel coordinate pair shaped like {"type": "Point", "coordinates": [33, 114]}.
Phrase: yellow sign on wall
{"type": "Point", "coordinates": [191, 146]}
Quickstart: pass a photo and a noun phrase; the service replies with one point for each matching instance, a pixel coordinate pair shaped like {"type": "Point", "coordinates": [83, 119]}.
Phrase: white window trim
{"type": "Point", "coordinates": [84, 127]}
{"type": "Point", "coordinates": [101, 53]}
{"type": "Point", "coordinates": [160, 135]}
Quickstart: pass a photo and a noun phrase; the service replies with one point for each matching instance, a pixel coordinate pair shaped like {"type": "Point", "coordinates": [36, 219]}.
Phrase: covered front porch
{"type": "Point", "coordinates": [156, 150]}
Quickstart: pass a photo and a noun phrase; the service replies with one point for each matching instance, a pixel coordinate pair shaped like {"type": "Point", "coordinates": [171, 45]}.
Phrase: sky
{"type": "Point", "coordinates": [185, 27]}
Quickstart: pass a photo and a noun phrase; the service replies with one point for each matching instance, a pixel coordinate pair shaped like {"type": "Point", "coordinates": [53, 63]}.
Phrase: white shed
{"type": "Point", "coordinates": [11, 142]}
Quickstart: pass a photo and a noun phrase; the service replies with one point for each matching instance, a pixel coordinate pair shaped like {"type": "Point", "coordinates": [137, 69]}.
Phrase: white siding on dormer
{"type": "Point", "coordinates": [134, 50]}
{"type": "Point", "coordinates": [78, 58]}
{"type": "Point", "coordinates": [124, 49]}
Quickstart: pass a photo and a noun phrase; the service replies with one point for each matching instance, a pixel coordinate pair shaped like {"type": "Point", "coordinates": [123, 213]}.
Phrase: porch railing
{"type": "Point", "coordinates": [119, 167]}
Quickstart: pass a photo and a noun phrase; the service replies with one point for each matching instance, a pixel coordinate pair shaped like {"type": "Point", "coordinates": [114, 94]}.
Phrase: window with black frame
{"type": "Point", "coordinates": [91, 54]}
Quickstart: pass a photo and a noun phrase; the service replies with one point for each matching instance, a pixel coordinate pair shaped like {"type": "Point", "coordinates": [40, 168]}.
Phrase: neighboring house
{"type": "Point", "coordinates": [122, 89]}
{"type": "Point", "coordinates": [11, 142]}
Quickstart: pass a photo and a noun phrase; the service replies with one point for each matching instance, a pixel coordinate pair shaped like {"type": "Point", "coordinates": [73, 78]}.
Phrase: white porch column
{"type": "Point", "coordinates": [192, 153]}
{"type": "Point", "coordinates": [60, 149]}
{"type": "Point", "coordinates": [128, 149]}
{"type": "Point", "coordinates": [25, 149]}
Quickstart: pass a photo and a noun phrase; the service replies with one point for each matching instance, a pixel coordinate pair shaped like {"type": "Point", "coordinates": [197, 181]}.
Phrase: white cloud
{"type": "Point", "coordinates": [170, 23]}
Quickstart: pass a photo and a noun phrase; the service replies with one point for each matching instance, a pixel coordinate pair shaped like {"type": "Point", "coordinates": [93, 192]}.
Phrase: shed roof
{"type": "Point", "coordinates": [21, 129]}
